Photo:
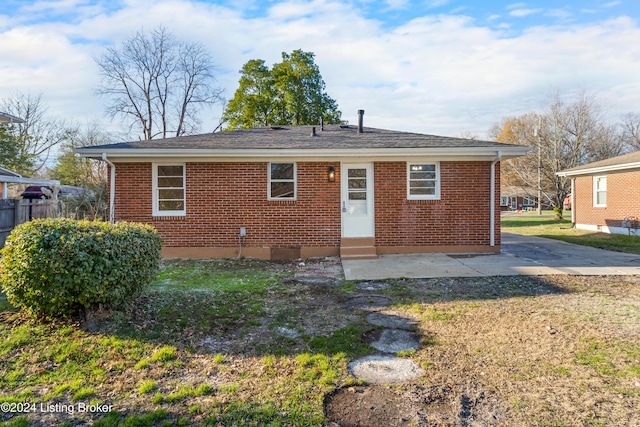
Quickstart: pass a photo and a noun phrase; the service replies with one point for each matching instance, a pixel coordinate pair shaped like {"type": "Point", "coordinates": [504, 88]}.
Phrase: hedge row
{"type": "Point", "coordinates": [55, 267]}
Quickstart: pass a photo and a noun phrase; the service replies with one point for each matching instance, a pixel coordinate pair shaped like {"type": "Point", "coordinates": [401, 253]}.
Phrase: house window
{"type": "Point", "coordinates": [600, 191]}
{"type": "Point", "coordinates": [423, 181]}
{"type": "Point", "coordinates": [529, 201]}
{"type": "Point", "coordinates": [282, 181]}
{"type": "Point", "coordinates": [504, 200]}
{"type": "Point", "coordinates": [169, 189]}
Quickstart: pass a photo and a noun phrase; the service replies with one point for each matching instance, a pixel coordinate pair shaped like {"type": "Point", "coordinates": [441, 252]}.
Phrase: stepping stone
{"type": "Point", "coordinates": [381, 369]}
{"type": "Point", "coordinates": [318, 280]}
{"type": "Point", "coordinates": [390, 320]}
{"type": "Point", "coordinates": [395, 340]}
{"type": "Point", "coordinates": [372, 286]}
{"type": "Point", "coordinates": [369, 302]}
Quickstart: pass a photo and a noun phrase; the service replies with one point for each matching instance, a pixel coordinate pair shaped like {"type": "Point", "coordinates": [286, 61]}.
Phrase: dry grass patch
{"type": "Point", "coordinates": [559, 350]}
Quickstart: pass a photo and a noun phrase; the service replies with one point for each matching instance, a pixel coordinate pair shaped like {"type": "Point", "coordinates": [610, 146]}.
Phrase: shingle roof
{"type": "Point", "coordinates": [299, 137]}
{"type": "Point", "coordinates": [624, 162]}
{"type": "Point", "coordinates": [339, 142]}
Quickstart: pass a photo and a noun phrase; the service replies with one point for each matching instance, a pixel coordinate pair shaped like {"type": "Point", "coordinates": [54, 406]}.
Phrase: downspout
{"type": "Point", "coordinates": [573, 202]}
{"type": "Point", "coordinates": [112, 188]}
{"type": "Point", "coordinates": [492, 209]}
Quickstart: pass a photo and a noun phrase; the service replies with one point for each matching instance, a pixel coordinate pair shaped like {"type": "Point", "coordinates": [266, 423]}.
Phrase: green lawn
{"type": "Point", "coordinates": [531, 224]}
{"type": "Point", "coordinates": [213, 342]}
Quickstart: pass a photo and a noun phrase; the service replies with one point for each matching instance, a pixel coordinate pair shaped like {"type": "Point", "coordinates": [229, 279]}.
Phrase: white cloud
{"type": "Point", "coordinates": [440, 74]}
{"type": "Point", "coordinates": [521, 13]}
{"type": "Point", "coordinates": [516, 6]}
{"type": "Point", "coordinates": [437, 3]}
{"type": "Point", "coordinates": [397, 4]}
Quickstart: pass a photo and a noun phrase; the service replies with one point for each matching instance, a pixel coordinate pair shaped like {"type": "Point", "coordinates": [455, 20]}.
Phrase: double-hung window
{"type": "Point", "coordinates": [282, 181]}
{"type": "Point", "coordinates": [169, 191]}
{"type": "Point", "coordinates": [600, 191]}
{"type": "Point", "coordinates": [423, 181]}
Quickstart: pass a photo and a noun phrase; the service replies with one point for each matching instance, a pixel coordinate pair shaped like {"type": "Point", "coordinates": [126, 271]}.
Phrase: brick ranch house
{"type": "Point", "coordinates": [301, 191]}
{"type": "Point", "coordinates": [605, 195]}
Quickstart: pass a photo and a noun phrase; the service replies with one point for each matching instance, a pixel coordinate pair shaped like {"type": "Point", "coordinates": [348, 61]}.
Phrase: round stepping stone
{"type": "Point", "coordinates": [380, 369]}
{"type": "Point", "coordinates": [395, 341]}
{"type": "Point", "coordinates": [389, 320]}
{"type": "Point", "coordinates": [369, 302]}
{"type": "Point", "coordinates": [372, 286]}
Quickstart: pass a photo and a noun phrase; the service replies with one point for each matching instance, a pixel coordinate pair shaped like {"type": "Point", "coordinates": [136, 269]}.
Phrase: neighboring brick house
{"type": "Point", "coordinates": [303, 191]}
{"type": "Point", "coordinates": [605, 195]}
{"type": "Point", "coordinates": [513, 198]}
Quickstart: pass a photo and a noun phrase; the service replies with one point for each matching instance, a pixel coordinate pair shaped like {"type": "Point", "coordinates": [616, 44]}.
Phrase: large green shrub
{"type": "Point", "coordinates": [55, 267]}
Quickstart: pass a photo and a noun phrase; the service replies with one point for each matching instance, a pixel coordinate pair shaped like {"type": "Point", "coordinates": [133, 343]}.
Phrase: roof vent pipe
{"type": "Point", "coordinates": [322, 123]}
{"type": "Point", "coordinates": [360, 118]}
{"type": "Point", "coordinates": [313, 131]}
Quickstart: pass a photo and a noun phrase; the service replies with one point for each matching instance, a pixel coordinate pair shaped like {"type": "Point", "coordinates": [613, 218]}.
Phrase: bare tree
{"type": "Point", "coordinates": [37, 135]}
{"type": "Point", "coordinates": [631, 130]}
{"type": "Point", "coordinates": [158, 83]}
{"type": "Point", "coordinates": [564, 136]}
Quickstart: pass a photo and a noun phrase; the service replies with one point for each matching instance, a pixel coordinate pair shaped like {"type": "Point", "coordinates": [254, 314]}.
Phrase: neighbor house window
{"type": "Point", "coordinates": [423, 181]}
{"type": "Point", "coordinates": [600, 191]}
{"type": "Point", "coordinates": [169, 189]}
{"type": "Point", "coordinates": [282, 181]}
{"type": "Point", "coordinates": [529, 201]}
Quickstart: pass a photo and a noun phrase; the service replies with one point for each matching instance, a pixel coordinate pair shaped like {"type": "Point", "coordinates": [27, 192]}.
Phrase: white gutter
{"type": "Point", "coordinates": [601, 169]}
{"type": "Point", "coordinates": [112, 188]}
{"type": "Point", "coordinates": [228, 153]}
{"type": "Point", "coordinates": [492, 209]}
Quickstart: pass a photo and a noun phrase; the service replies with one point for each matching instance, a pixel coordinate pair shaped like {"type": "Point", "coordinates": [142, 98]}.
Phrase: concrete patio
{"type": "Point", "coordinates": [521, 255]}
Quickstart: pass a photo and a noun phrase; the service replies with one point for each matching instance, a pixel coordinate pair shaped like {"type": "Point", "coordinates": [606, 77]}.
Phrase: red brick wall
{"type": "Point", "coordinates": [222, 197]}
{"type": "Point", "coordinates": [460, 217]}
{"type": "Point", "coordinates": [623, 199]}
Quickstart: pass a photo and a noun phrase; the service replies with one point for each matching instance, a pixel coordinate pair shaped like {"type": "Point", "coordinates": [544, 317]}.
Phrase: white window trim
{"type": "Point", "coordinates": [595, 192]}
{"type": "Point", "coordinates": [295, 182]}
{"type": "Point", "coordinates": [156, 208]}
{"type": "Point", "coordinates": [528, 201]}
{"type": "Point", "coordinates": [435, 196]}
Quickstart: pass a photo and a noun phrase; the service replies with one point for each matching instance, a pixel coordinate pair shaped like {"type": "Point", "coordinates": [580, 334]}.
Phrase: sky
{"type": "Point", "coordinates": [443, 67]}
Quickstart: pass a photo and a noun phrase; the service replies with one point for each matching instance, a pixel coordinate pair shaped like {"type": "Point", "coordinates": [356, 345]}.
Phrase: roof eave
{"type": "Point", "coordinates": [23, 180]}
{"type": "Point", "coordinates": [601, 169]}
{"type": "Point", "coordinates": [6, 118]}
{"type": "Point", "coordinates": [227, 154]}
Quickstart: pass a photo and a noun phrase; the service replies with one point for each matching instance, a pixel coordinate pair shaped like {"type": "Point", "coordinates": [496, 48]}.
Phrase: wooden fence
{"type": "Point", "coordinates": [16, 211]}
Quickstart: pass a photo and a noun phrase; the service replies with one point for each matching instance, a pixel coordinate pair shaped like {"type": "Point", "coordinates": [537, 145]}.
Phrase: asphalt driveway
{"type": "Point", "coordinates": [520, 255]}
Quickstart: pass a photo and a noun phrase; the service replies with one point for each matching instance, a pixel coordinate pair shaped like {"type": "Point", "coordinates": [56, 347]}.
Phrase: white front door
{"type": "Point", "coordinates": [357, 200]}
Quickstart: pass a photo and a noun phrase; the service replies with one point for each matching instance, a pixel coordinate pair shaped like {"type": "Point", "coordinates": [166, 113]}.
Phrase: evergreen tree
{"type": "Point", "coordinates": [291, 93]}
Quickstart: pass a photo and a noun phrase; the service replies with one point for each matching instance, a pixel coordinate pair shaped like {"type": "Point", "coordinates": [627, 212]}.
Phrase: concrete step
{"type": "Point", "coordinates": [358, 248]}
